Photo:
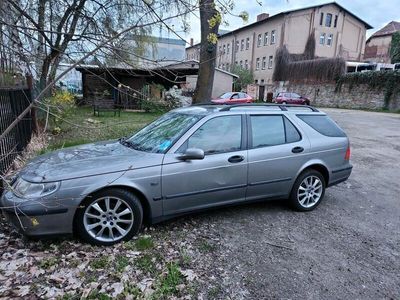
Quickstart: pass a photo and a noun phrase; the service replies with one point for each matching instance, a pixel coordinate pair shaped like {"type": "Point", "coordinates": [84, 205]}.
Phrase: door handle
{"type": "Point", "coordinates": [235, 159]}
{"type": "Point", "coordinates": [297, 149]}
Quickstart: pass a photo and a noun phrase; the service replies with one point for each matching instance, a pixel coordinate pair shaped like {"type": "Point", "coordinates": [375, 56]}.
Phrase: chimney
{"type": "Point", "coordinates": [191, 41]}
{"type": "Point", "coordinates": [262, 16]}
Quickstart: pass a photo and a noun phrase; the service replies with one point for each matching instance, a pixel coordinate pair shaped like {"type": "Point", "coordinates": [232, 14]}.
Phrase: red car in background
{"type": "Point", "coordinates": [291, 98]}
{"type": "Point", "coordinates": [233, 98]}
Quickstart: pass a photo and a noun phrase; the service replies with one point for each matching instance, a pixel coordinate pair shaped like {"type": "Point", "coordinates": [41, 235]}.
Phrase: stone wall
{"type": "Point", "coordinates": [324, 94]}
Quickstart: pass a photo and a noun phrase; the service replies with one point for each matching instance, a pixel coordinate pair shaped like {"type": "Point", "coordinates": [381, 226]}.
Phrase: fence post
{"type": "Point", "coordinates": [35, 125]}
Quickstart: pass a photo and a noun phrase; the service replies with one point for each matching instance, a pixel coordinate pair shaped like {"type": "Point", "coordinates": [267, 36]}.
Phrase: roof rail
{"type": "Point", "coordinates": [283, 107]}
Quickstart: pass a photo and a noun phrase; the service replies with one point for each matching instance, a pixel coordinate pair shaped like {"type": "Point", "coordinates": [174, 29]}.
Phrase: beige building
{"type": "Point", "coordinates": [337, 31]}
{"type": "Point", "coordinates": [378, 45]}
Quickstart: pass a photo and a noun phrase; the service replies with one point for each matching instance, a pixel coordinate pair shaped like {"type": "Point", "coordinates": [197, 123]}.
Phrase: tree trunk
{"type": "Point", "coordinates": [208, 51]}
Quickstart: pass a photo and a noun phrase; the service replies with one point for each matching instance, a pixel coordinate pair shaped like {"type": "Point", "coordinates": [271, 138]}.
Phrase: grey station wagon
{"type": "Point", "coordinates": [190, 159]}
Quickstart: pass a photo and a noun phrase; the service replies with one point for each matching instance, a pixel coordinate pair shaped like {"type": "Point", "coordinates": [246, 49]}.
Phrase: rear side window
{"type": "Point", "coordinates": [323, 124]}
{"type": "Point", "coordinates": [272, 130]}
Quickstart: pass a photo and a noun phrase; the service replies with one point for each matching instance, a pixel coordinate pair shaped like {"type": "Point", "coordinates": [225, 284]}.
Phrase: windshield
{"type": "Point", "coordinates": [158, 136]}
{"type": "Point", "coordinates": [225, 95]}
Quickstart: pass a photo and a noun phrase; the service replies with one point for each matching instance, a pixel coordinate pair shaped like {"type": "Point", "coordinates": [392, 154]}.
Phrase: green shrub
{"type": "Point", "coordinates": [389, 80]}
{"type": "Point", "coordinates": [58, 107]}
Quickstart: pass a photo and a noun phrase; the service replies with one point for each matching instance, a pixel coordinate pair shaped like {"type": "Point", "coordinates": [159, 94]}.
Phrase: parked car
{"type": "Point", "coordinates": [233, 98]}
{"type": "Point", "coordinates": [291, 98]}
{"type": "Point", "coordinates": [190, 159]}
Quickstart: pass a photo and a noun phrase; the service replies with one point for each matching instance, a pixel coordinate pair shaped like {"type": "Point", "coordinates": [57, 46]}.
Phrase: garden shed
{"type": "Point", "coordinates": [128, 86]}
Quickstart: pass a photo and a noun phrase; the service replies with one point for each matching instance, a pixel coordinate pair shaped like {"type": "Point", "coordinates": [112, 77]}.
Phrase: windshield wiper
{"type": "Point", "coordinates": [124, 141]}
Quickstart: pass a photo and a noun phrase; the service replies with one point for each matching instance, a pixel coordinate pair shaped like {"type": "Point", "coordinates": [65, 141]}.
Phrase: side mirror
{"type": "Point", "coordinates": [192, 153]}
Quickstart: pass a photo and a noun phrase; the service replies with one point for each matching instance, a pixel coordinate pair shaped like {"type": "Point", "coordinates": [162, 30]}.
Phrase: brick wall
{"type": "Point", "coordinates": [323, 94]}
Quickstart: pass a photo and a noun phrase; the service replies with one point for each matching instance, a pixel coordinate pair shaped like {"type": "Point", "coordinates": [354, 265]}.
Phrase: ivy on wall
{"type": "Point", "coordinates": [395, 48]}
{"type": "Point", "coordinates": [388, 80]}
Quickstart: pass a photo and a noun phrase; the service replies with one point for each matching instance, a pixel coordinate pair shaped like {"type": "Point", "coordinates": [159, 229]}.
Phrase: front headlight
{"type": "Point", "coordinates": [25, 189]}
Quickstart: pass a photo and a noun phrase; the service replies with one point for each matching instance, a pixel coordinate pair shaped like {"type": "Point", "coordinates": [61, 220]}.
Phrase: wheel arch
{"type": "Point", "coordinates": [147, 210]}
{"type": "Point", "coordinates": [318, 166]}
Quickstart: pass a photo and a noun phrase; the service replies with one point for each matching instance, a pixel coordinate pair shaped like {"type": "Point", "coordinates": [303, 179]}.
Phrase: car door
{"type": "Point", "coordinates": [235, 98]}
{"type": "Point", "coordinates": [296, 98]}
{"type": "Point", "coordinates": [221, 177]}
{"type": "Point", "coordinates": [275, 155]}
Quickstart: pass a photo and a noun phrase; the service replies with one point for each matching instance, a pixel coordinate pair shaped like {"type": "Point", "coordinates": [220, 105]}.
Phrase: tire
{"type": "Point", "coordinates": [118, 219]}
{"type": "Point", "coordinates": [304, 196]}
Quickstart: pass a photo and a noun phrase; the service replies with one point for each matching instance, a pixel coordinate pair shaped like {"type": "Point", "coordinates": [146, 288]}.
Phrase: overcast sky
{"type": "Point", "coordinates": [376, 13]}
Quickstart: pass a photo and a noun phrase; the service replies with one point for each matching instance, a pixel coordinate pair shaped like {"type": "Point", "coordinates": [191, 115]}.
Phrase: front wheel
{"type": "Point", "coordinates": [308, 190]}
{"type": "Point", "coordinates": [109, 217]}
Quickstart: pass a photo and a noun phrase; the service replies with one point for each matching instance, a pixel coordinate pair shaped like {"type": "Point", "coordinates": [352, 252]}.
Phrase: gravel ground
{"type": "Point", "coordinates": [347, 248]}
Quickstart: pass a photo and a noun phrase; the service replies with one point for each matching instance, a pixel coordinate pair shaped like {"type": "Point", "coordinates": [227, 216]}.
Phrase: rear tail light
{"type": "Point", "coordinates": [347, 156]}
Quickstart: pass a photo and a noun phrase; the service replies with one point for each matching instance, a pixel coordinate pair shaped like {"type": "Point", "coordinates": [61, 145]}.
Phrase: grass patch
{"type": "Point", "coordinates": [48, 262]}
{"type": "Point", "coordinates": [146, 264]}
{"type": "Point", "coordinates": [81, 127]}
{"type": "Point", "coordinates": [167, 285]}
{"type": "Point", "coordinates": [132, 291]}
{"type": "Point", "coordinates": [144, 243]}
{"type": "Point", "coordinates": [100, 263]}
{"type": "Point", "coordinates": [185, 258]}
{"type": "Point", "coordinates": [205, 246]}
{"type": "Point", "coordinates": [121, 262]}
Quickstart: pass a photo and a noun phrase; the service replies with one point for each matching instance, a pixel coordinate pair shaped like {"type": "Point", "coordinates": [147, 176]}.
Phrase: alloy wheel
{"type": "Point", "coordinates": [309, 191]}
{"type": "Point", "coordinates": [108, 219]}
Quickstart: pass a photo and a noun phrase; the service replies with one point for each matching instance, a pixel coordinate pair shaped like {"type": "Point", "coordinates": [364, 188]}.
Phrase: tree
{"type": "Point", "coordinates": [210, 19]}
{"type": "Point", "coordinates": [51, 30]}
{"type": "Point", "coordinates": [245, 77]}
{"type": "Point", "coordinates": [395, 48]}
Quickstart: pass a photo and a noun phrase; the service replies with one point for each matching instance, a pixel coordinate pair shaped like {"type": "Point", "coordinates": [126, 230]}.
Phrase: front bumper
{"type": "Point", "coordinates": [37, 217]}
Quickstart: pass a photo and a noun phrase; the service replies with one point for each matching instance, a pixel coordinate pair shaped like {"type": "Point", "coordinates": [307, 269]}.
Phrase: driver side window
{"type": "Point", "coordinates": [218, 135]}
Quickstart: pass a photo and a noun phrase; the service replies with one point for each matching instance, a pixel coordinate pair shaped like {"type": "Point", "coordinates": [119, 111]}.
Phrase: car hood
{"type": "Point", "coordinates": [87, 160]}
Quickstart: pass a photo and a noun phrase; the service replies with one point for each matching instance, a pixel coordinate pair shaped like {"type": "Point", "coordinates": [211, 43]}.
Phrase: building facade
{"type": "Point", "coordinates": [338, 33]}
{"type": "Point", "coordinates": [378, 45]}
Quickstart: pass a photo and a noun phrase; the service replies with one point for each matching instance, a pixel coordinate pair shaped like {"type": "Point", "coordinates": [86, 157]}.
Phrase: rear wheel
{"type": "Point", "coordinates": [109, 217]}
{"type": "Point", "coordinates": [308, 190]}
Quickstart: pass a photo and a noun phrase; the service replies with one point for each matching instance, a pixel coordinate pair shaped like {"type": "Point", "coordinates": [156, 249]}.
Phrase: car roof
{"type": "Point", "coordinates": [207, 108]}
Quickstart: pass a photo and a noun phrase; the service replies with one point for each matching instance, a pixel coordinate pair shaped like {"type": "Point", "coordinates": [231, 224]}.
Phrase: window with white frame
{"type": "Point", "coordinates": [246, 64]}
{"type": "Point", "coordinates": [322, 39]}
{"type": "Point", "coordinates": [259, 38]}
{"type": "Point", "coordinates": [258, 63]}
{"type": "Point", "coordinates": [241, 45]}
{"type": "Point", "coordinates": [223, 49]}
{"type": "Point", "coordinates": [247, 43]}
{"type": "Point", "coordinates": [270, 61]}
{"type": "Point", "coordinates": [220, 49]}
{"type": "Point", "coordinates": [329, 41]}
{"type": "Point", "coordinates": [272, 37]}
{"type": "Point", "coordinates": [227, 48]}
{"type": "Point", "coordinates": [265, 38]}
{"type": "Point", "coordinates": [264, 63]}
{"type": "Point", "coordinates": [237, 46]}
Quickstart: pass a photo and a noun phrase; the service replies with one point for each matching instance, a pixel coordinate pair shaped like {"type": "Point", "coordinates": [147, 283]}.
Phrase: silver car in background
{"type": "Point", "coordinates": [190, 159]}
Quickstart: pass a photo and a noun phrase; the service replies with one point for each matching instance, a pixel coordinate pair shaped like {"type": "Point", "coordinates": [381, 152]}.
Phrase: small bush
{"type": "Point", "coordinates": [58, 106]}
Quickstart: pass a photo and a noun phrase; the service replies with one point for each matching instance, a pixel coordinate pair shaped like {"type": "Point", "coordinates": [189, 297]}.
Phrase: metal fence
{"type": "Point", "coordinates": [12, 103]}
